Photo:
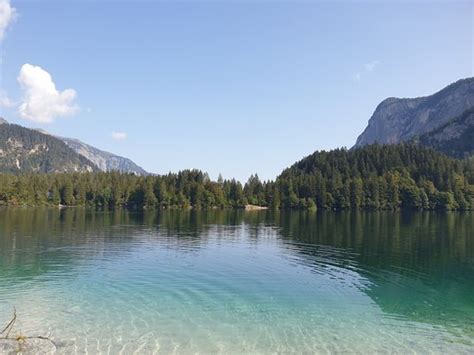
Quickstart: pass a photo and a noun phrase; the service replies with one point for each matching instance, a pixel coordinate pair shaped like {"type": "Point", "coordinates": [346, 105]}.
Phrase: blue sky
{"type": "Point", "coordinates": [227, 87]}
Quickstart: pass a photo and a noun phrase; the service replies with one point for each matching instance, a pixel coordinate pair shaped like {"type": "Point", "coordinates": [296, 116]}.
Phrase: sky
{"type": "Point", "coordinates": [230, 87]}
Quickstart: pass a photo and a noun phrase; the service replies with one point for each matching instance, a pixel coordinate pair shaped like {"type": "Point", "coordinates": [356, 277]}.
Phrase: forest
{"type": "Point", "coordinates": [374, 177]}
{"type": "Point", "coordinates": [455, 138]}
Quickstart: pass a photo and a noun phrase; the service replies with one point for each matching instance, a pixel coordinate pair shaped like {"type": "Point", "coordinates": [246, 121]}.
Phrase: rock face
{"type": "Point", "coordinates": [105, 161]}
{"type": "Point", "coordinates": [396, 120]}
{"type": "Point", "coordinates": [454, 138]}
{"type": "Point", "coordinates": [27, 150]}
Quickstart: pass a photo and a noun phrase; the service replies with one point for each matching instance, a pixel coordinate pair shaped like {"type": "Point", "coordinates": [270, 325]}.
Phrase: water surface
{"type": "Point", "coordinates": [236, 282]}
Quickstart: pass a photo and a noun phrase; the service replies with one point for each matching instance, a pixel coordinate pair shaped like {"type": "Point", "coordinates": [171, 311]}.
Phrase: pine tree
{"type": "Point", "coordinates": [67, 192]}
{"type": "Point", "coordinates": [149, 198]}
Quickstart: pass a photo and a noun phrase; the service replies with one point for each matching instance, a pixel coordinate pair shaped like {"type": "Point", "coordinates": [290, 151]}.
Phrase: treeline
{"type": "Point", "coordinates": [189, 188]}
{"type": "Point", "coordinates": [372, 177]}
{"type": "Point", "coordinates": [379, 177]}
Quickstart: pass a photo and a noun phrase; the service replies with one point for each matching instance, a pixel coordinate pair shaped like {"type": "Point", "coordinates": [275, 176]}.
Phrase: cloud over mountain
{"type": "Point", "coordinates": [41, 101]}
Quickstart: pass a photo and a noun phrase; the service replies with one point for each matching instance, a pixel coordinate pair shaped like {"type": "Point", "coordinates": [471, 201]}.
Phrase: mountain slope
{"type": "Point", "coordinates": [396, 120]}
{"type": "Point", "coordinates": [377, 176]}
{"type": "Point", "coordinates": [454, 138]}
{"type": "Point", "coordinates": [105, 161]}
{"type": "Point", "coordinates": [27, 150]}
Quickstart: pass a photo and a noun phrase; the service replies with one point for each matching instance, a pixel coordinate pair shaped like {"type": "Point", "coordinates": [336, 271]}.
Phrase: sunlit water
{"type": "Point", "coordinates": [235, 282]}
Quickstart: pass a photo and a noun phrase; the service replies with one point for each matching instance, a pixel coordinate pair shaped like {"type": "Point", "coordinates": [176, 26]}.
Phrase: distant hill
{"type": "Point", "coordinates": [396, 120]}
{"type": "Point", "coordinates": [105, 161]}
{"type": "Point", "coordinates": [454, 138]}
{"type": "Point", "coordinates": [28, 150]}
{"type": "Point", "coordinates": [23, 150]}
{"type": "Point", "coordinates": [391, 176]}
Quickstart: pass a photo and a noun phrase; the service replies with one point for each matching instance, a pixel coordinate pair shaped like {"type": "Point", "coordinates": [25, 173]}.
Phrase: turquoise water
{"type": "Point", "coordinates": [236, 282]}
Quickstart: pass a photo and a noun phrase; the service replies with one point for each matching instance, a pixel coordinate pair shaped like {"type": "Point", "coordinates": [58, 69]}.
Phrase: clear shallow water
{"type": "Point", "coordinates": [235, 282]}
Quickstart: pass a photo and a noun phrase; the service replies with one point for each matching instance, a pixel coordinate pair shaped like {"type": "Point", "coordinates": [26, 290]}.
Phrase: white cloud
{"type": "Point", "coordinates": [370, 66]}
{"type": "Point", "coordinates": [5, 101]}
{"type": "Point", "coordinates": [42, 102]}
{"type": "Point", "coordinates": [119, 136]}
{"type": "Point", "coordinates": [7, 16]}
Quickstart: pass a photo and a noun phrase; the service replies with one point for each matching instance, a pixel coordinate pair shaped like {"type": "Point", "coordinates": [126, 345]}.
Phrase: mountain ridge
{"type": "Point", "coordinates": [400, 119]}
{"type": "Point", "coordinates": [27, 149]}
{"type": "Point", "coordinates": [104, 160]}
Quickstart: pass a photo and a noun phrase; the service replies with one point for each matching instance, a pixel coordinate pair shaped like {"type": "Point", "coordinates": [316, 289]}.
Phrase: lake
{"type": "Point", "coordinates": [239, 282]}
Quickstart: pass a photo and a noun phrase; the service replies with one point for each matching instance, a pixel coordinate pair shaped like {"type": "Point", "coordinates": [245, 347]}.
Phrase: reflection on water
{"type": "Point", "coordinates": [235, 281]}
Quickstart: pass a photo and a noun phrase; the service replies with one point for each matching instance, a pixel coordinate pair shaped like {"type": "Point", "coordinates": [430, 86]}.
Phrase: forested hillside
{"type": "Point", "coordinates": [28, 150]}
{"type": "Point", "coordinates": [24, 150]}
{"type": "Point", "coordinates": [455, 138]}
{"type": "Point", "coordinates": [379, 177]}
{"type": "Point", "coordinates": [372, 177]}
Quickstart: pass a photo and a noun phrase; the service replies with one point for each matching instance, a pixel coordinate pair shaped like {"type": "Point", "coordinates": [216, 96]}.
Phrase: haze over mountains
{"type": "Point", "coordinates": [23, 149]}
{"type": "Point", "coordinates": [105, 161]}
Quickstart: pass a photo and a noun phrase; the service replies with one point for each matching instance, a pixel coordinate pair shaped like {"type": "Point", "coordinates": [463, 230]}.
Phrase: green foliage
{"type": "Point", "coordinates": [455, 138]}
{"type": "Point", "coordinates": [372, 177]}
{"type": "Point", "coordinates": [25, 150]}
{"type": "Point", "coordinates": [189, 188]}
{"type": "Point", "coordinates": [379, 177]}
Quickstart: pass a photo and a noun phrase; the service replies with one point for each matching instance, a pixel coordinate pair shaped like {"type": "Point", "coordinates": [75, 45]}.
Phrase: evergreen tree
{"type": "Point", "coordinates": [372, 177]}
{"type": "Point", "coordinates": [149, 198]}
{"type": "Point", "coordinates": [67, 192]}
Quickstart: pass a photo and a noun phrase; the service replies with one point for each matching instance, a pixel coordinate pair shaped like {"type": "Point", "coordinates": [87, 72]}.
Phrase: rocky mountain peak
{"type": "Point", "coordinates": [400, 119]}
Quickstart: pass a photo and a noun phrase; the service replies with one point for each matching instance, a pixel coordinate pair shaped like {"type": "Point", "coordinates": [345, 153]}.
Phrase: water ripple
{"type": "Point", "coordinates": [241, 287]}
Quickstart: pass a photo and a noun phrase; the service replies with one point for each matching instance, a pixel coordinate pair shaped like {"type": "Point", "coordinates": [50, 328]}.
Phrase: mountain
{"type": "Point", "coordinates": [396, 120]}
{"type": "Point", "coordinates": [105, 161]}
{"type": "Point", "coordinates": [454, 138]}
{"type": "Point", "coordinates": [25, 150]}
